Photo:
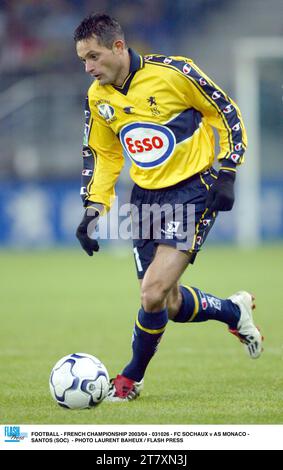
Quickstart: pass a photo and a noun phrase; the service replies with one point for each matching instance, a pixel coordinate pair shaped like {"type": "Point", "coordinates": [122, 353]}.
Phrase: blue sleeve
{"type": "Point", "coordinates": [88, 155]}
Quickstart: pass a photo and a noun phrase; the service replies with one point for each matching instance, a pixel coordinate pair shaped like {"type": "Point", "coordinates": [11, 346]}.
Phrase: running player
{"type": "Point", "coordinates": [159, 111]}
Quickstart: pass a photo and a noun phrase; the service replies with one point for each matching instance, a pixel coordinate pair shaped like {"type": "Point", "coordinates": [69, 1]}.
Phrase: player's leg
{"type": "Point", "coordinates": [174, 301]}
{"type": "Point", "coordinates": [160, 277]}
{"type": "Point", "coordinates": [162, 274]}
{"type": "Point", "coordinates": [186, 304]}
{"type": "Point", "coordinates": [198, 306]}
{"type": "Point", "coordinates": [236, 312]}
{"type": "Point", "coordinates": [159, 285]}
{"type": "Point", "coordinates": [159, 289]}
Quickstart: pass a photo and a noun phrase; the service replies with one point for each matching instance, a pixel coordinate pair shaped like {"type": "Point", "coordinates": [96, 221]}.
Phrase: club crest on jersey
{"type": "Point", "coordinates": [106, 111]}
{"type": "Point", "coordinates": [148, 145]}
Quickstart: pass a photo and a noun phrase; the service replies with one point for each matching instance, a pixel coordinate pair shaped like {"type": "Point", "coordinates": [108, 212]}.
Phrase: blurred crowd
{"type": "Point", "coordinates": [37, 35]}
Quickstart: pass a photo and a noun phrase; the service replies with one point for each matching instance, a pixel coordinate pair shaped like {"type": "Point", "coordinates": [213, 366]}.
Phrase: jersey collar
{"type": "Point", "coordinates": [136, 63]}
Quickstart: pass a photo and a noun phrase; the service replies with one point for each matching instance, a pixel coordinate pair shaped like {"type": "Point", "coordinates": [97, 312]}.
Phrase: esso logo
{"type": "Point", "coordinates": [147, 144]}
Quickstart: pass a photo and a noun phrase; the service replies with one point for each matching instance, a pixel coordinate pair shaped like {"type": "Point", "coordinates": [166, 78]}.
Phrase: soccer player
{"type": "Point", "coordinates": [159, 111]}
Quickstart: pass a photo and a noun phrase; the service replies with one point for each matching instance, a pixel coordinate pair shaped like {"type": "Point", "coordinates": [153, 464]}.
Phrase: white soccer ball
{"type": "Point", "coordinates": [79, 381]}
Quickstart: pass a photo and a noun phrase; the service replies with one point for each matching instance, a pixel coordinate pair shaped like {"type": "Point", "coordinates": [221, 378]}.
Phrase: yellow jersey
{"type": "Point", "coordinates": [161, 118]}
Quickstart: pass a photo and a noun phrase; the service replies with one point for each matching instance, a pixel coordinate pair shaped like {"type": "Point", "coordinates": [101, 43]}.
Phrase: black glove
{"type": "Point", "coordinates": [91, 216]}
{"type": "Point", "coordinates": [221, 194]}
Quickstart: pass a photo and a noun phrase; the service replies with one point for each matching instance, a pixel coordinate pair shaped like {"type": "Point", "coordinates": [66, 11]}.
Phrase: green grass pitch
{"type": "Point", "coordinates": [57, 302]}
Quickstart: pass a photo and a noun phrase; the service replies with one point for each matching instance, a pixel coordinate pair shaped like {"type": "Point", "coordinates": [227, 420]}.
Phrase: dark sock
{"type": "Point", "coordinates": [198, 306]}
{"type": "Point", "coordinates": [148, 330]}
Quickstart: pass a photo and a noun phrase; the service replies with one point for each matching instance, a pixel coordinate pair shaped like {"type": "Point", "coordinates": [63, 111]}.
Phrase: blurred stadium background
{"type": "Point", "coordinates": [43, 87]}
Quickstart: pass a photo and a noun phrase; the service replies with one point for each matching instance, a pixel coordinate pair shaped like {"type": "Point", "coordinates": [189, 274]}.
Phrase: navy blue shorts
{"type": "Point", "coordinates": [172, 216]}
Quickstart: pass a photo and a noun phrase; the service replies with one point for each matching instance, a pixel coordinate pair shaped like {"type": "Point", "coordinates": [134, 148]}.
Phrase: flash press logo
{"type": "Point", "coordinates": [14, 434]}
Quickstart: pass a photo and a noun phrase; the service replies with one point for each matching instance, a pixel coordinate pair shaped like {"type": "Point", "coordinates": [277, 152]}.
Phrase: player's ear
{"type": "Point", "coordinates": [118, 46]}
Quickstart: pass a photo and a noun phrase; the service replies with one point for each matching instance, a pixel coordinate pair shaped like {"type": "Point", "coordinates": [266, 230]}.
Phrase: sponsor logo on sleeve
{"type": "Point", "coordinates": [202, 81]}
{"type": "Point", "coordinates": [186, 69]}
{"type": "Point", "coordinates": [235, 157]}
{"type": "Point", "coordinates": [236, 127]}
{"type": "Point", "coordinates": [87, 172]}
{"type": "Point", "coordinates": [216, 95]}
{"type": "Point", "coordinates": [228, 109]}
{"type": "Point", "coordinates": [87, 152]}
{"type": "Point", "coordinates": [239, 146]}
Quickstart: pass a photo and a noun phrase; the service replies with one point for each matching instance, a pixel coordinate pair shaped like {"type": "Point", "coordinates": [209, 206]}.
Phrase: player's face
{"type": "Point", "coordinates": [103, 64]}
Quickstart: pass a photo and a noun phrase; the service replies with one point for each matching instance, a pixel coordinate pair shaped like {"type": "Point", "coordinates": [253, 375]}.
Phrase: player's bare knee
{"type": "Point", "coordinates": [153, 296]}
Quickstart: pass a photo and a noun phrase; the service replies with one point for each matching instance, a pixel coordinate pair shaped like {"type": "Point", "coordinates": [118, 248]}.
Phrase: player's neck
{"type": "Point", "coordinates": [124, 70]}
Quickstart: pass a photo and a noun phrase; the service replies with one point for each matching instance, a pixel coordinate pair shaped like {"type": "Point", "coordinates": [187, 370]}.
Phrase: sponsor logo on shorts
{"type": "Point", "coordinates": [199, 240]}
{"type": "Point", "coordinates": [171, 229]}
{"type": "Point", "coordinates": [206, 222]}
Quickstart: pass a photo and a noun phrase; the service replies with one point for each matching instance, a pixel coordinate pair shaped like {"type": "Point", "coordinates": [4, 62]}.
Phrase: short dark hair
{"type": "Point", "coordinates": [102, 26]}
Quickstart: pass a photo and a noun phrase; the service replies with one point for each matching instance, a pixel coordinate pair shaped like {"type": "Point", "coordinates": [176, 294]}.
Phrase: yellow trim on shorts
{"type": "Point", "coordinates": [203, 182]}
{"type": "Point", "coordinates": [197, 230]}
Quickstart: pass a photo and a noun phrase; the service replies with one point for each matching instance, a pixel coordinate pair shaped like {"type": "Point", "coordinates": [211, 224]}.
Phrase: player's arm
{"type": "Point", "coordinates": [222, 113]}
{"type": "Point", "coordinates": [87, 154]}
{"type": "Point", "coordinates": [103, 161]}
